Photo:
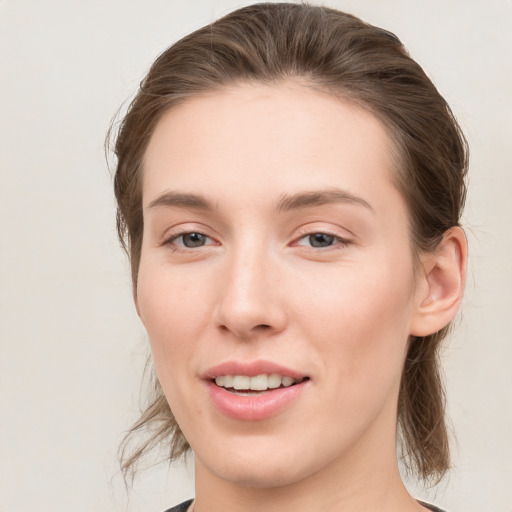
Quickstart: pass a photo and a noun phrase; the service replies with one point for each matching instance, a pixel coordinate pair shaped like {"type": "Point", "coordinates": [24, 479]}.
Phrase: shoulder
{"type": "Point", "coordinates": [431, 507]}
{"type": "Point", "coordinates": [182, 507]}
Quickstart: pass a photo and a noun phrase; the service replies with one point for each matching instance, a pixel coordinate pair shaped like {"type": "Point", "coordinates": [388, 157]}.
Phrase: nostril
{"type": "Point", "coordinates": [263, 327]}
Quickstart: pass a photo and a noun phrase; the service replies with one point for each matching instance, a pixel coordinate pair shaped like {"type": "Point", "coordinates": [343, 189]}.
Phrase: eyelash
{"type": "Point", "coordinates": [338, 242]}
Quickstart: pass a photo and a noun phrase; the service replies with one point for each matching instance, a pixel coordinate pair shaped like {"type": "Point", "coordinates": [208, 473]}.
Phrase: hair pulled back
{"type": "Point", "coordinates": [338, 53]}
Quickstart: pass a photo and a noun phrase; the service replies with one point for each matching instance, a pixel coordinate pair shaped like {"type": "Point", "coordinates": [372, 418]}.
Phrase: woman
{"type": "Point", "coordinates": [289, 187]}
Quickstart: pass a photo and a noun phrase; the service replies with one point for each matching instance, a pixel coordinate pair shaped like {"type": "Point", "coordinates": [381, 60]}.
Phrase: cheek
{"type": "Point", "coordinates": [168, 296]}
{"type": "Point", "coordinates": [173, 309]}
{"type": "Point", "coordinates": [360, 321]}
{"type": "Point", "coordinates": [359, 333]}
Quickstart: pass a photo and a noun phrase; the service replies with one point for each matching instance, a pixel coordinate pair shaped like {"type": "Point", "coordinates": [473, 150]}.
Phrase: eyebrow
{"type": "Point", "coordinates": [182, 200]}
{"type": "Point", "coordinates": [287, 202]}
{"type": "Point", "coordinates": [322, 197]}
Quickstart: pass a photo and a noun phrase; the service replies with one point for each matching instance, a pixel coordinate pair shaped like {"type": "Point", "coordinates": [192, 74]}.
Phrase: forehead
{"type": "Point", "coordinates": [267, 138]}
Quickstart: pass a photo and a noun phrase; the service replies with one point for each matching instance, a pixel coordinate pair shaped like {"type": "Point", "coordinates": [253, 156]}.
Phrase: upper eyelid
{"type": "Point", "coordinates": [305, 231]}
{"type": "Point", "coordinates": [323, 231]}
{"type": "Point", "coordinates": [326, 225]}
{"type": "Point", "coordinates": [338, 239]}
{"type": "Point", "coordinates": [175, 236]}
{"type": "Point", "coordinates": [185, 228]}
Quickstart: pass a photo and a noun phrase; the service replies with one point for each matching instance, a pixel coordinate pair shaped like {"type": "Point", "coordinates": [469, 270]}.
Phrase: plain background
{"type": "Point", "coordinates": [72, 349]}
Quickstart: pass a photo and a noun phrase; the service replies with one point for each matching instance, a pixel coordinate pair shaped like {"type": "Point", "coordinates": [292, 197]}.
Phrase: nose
{"type": "Point", "coordinates": [251, 299]}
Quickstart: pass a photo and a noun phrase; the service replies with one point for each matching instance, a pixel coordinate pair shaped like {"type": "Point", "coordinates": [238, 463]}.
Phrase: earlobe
{"type": "Point", "coordinates": [440, 293]}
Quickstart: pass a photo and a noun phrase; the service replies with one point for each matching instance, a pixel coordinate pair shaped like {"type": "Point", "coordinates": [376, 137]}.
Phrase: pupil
{"type": "Point", "coordinates": [193, 240]}
{"type": "Point", "coordinates": [321, 240]}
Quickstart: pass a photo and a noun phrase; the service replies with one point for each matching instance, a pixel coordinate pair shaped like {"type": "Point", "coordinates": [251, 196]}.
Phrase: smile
{"type": "Point", "coordinates": [254, 391]}
{"type": "Point", "coordinates": [245, 384]}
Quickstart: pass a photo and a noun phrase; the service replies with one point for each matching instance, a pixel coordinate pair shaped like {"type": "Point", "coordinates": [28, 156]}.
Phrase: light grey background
{"type": "Point", "coordinates": [72, 349]}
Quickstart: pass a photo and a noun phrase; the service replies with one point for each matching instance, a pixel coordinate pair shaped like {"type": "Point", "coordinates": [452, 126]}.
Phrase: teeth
{"type": "Point", "coordinates": [241, 382]}
{"type": "Point", "coordinates": [274, 381]}
{"type": "Point", "coordinates": [287, 381]}
{"type": "Point", "coordinates": [259, 383]}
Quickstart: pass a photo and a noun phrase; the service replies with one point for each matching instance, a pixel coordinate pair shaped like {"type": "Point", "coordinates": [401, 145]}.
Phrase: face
{"type": "Point", "coordinates": [276, 281]}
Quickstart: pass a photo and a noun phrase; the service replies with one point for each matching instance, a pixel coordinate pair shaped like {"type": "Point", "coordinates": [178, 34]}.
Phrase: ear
{"type": "Point", "coordinates": [441, 284]}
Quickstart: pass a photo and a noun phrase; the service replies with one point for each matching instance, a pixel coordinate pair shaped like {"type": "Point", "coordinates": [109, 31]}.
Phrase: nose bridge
{"type": "Point", "coordinates": [249, 302]}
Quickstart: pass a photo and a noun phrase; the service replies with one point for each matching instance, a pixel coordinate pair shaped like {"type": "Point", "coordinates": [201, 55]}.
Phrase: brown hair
{"type": "Point", "coordinates": [340, 54]}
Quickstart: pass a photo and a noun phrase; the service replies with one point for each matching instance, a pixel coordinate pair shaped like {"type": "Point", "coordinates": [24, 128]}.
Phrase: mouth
{"type": "Point", "coordinates": [246, 385]}
{"type": "Point", "coordinates": [254, 391]}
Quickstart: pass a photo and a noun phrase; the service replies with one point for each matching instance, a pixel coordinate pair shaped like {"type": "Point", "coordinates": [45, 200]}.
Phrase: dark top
{"type": "Point", "coordinates": [183, 507]}
{"type": "Point", "coordinates": [426, 505]}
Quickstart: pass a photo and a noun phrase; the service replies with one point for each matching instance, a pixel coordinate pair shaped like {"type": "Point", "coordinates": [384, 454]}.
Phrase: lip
{"type": "Point", "coordinates": [251, 369]}
{"type": "Point", "coordinates": [253, 407]}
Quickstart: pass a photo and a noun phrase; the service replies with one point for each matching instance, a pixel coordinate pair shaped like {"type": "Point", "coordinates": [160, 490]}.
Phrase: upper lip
{"type": "Point", "coordinates": [251, 369]}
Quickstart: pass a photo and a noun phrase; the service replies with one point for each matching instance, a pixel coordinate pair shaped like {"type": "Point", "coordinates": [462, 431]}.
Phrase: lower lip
{"type": "Point", "coordinates": [254, 407]}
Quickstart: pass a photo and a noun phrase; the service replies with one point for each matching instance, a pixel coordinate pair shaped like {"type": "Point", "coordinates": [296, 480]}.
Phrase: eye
{"type": "Point", "coordinates": [321, 240]}
{"type": "Point", "coordinates": [190, 240]}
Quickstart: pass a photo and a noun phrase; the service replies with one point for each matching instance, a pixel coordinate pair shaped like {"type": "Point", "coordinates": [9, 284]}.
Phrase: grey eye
{"type": "Point", "coordinates": [321, 240]}
{"type": "Point", "coordinates": [193, 239]}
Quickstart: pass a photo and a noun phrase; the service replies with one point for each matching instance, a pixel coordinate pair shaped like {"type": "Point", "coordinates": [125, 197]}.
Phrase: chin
{"type": "Point", "coordinates": [259, 476]}
{"type": "Point", "coordinates": [263, 465]}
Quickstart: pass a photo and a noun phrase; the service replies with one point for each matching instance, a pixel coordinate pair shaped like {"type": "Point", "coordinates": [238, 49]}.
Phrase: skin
{"type": "Point", "coordinates": [257, 289]}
